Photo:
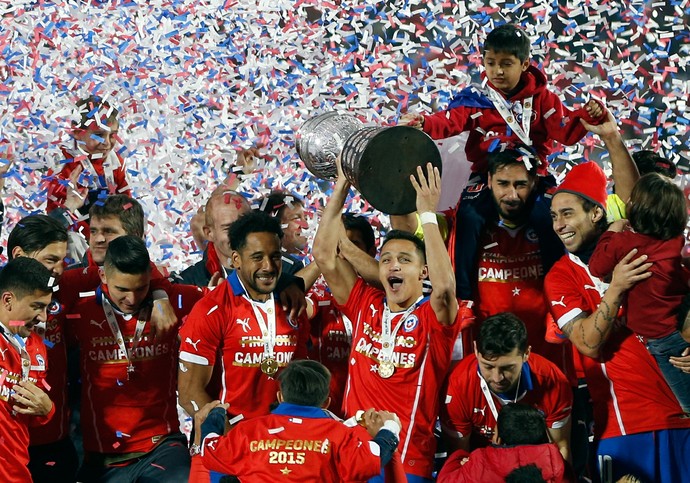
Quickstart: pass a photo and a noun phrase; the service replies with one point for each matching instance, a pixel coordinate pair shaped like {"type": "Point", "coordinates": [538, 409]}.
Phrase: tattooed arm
{"type": "Point", "coordinates": [588, 332]}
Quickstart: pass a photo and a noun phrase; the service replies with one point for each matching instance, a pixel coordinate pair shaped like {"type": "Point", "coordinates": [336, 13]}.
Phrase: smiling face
{"type": "Point", "coordinates": [575, 226]}
{"type": "Point", "coordinates": [29, 310]}
{"type": "Point", "coordinates": [504, 70]}
{"type": "Point", "coordinates": [502, 373]}
{"type": "Point", "coordinates": [51, 256]}
{"type": "Point", "coordinates": [259, 263]}
{"type": "Point", "coordinates": [511, 186]}
{"type": "Point", "coordinates": [401, 271]}
{"type": "Point", "coordinates": [96, 140]}
{"type": "Point", "coordinates": [293, 221]}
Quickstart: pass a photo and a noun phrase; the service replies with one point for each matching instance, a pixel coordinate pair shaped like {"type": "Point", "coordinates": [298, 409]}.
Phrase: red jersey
{"type": "Point", "coordinates": [468, 412]}
{"type": "Point", "coordinates": [106, 174]}
{"type": "Point", "coordinates": [14, 428]}
{"type": "Point", "coordinates": [628, 391]}
{"type": "Point", "coordinates": [511, 279]}
{"type": "Point", "coordinates": [330, 340]}
{"type": "Point", "coordinates": [224, 321]}
{"type": "Point", "coordinates": [422, 354]}
{"type": "Point", "coordinates": [652, 304]}
{"type": "Point", "coordinates": [73, 283]}
{"type": "Point", "coordinates": [123, 413]}
{"type": "Point", "coordinates": [473, 111]}
{"type": "Point", "coordinates": [294, 443]}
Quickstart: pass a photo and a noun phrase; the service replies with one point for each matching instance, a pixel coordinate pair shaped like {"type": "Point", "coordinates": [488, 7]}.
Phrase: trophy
{"type": "Point", "coordinates": [377, 161]}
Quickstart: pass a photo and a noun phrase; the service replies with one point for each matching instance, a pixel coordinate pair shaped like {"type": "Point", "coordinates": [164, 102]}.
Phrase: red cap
{"type": "Point", "coordinates": [586, 180]}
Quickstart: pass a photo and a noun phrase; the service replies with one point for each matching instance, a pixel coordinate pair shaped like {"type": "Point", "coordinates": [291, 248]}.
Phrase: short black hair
{"type": "Point", "coordinates": [23, 276]}
{"type": "Point", "coordinates": [277, 201]}
{"type": "Point", "coordinates": [501, 334]}
{"type": "Point", "coordinates": [94, 108]}
{"type": "Point", "coordinates": [128, 254]}
{"type": "Point", "coordinates": [657, 207]}
{"type": "Point", "coordinates": [305, 382]}
{"type": "Point", "coordinates": [35, 232]}
{"type": "Point", "coordinates": [252, 222]}
{"type": "Point", "coordinates": [526, 474]}
{"type": "Point", "coordinates": [521, 424]}
{"type": "Point", "coordinates": [517, 154]}
{"type": "Point", "coordinates": [508, 39]}
{"type": "Point", "coordinates": [127, 209]}
{"type": "Point", "coordinates": [406, 235]}
{"type": "Point", "coordinates": [359, 223]}
{"type": "Point", "coordinates": [650, 162]}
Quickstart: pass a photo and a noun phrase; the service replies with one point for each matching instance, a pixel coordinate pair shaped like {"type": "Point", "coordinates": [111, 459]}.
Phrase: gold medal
{"type": "Point", "coordinates": [386, 369]}
{"type": "Point", "coordinates": [269, 366]}
{"type": "Point", "coordinates": [510, 119]}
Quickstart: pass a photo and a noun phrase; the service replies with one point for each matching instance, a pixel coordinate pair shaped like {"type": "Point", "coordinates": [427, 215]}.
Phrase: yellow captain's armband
{"type": "Point", "coordinates": [615, 208]}
{"type": "Point", "coordinates": [442, 226]}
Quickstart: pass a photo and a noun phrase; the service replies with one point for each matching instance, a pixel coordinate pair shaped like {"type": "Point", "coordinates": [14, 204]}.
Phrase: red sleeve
{"type": "Point", "coordinates": [226, 454]}
{"type": "Point", "coordinates": [356, 458]}
{"type": "Point", "coordinates": [565, 300]}
{"type": "Point", "coordinates": [606, 254]}
{"type": "Point", "coordinates": [75, 283]}
{"type": "Point", "coordinates": [57, 191]}
{"type": "Point", "coordinates": [444, 124]}
{"type": "Point", "coordinates": [452, 469]}
{"type": "Point", "coordinates": [562, 124]}
{"type": "Point", "coordinates": [202, 333]}
{"type": "Point", "coordinates": [183, 298]}
{"type": "Point", "coordinates": [559, 398]}
{"type": "Point", "coordinates": [454, 414]}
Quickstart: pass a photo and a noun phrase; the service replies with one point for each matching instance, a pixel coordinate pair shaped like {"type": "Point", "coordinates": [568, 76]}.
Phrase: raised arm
{"type": "Point", "coordinates": [441, 273]}
{"type": "Point", "coordinates": [625, 173]}
{"type": "Point", "coordinates": [338, 272]}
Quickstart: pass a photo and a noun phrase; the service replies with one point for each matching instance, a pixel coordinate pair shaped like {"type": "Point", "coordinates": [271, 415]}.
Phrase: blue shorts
{"type": "Point", "coordinates": [659, 456]}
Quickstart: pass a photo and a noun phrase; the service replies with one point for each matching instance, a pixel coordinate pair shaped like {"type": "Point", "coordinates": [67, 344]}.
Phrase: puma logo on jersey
{"type": "Point", "coordinates": [245, 324]}
{"type": "Point", "coordinates": [373, 310]}
{"type": "Point", "coordinates": [481, 411]}
{"type": "Point", "coordinates": [591, 287]}
{"type": "Point", "coordinates": [558, 302]}
{"type": "Point", "coordinates": [2, 351]}
{"type": "Point", "coordinates": [98, 324]}
{"type": "Point", "coordinates": [193, 344]}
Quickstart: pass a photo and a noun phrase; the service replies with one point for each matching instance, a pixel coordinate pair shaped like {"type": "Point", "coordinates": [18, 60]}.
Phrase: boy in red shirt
{"type": "Point", "coordinates": [309, 446]}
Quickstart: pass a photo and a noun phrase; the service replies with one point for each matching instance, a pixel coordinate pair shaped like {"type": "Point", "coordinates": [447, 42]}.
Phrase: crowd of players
{"type": "Point", "coordinates": [492, 342]}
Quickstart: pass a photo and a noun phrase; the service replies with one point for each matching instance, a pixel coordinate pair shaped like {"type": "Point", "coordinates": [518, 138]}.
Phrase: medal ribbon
{"type": "Point", "coordinates": [503, 108]}
{"type": "Point", "coordinates": [18, 343]}
{"type": "Point", "coordinates": [115, 328]}
{"type": "Point", "coordinates": [268, 330]}
{"type": "Point", "coordinates": [388, 337]}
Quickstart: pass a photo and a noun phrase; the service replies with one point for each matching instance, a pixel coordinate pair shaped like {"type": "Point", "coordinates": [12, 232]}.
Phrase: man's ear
{"type": "Point", "coordinates": [6, 299]}
{"type": "Point", "coordinates": [279, 395]}
{"type": "Point", "coordinates": [326, 403]}
{"type": "Point", "coordinates": [207, 233]}
{"type": "Point", "coordinates": [18, 252]}
{"type": "Point", "coordinates": [104, 279]}
{"type": "Point", "coordinates": [525, 65]}
{"type": "Point", "coordinates": [525, 356]}
{"type": "Point", "coordinates": [425, 272]}
{"type": "Point", "coordinates": [597, 214]}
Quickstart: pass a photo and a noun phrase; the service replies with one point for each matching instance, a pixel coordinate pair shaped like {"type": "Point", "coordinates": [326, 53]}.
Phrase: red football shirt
{"type": "Point", "coordinates": [14, 428]}
{"type": "Point", "coordinates": [467, 412]}
{"type": "Point", "coordinates": [120, 414]}
{"type": "Point", "coordinates": [330, 340]}
{"type": "Point", "coordinates": [422, 354]}
{"type": "Point", "coordinates": [295, 443]}
{"type": "Point", "coordinates": [511, 279]}
{"type": "Point", "coordinates": [628, 391]}
{"type": "Point", "coordinates": [224, 321]}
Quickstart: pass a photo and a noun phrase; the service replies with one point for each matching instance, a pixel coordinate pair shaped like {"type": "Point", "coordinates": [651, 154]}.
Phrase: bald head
{"type": "Point", "coordinates": [222, 209]}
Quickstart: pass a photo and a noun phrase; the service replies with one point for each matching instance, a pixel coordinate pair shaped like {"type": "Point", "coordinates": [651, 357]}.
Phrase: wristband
{"type": "Point", "coordinates": [392, 426]}
{"type": "Point", "coordinates": [428, 217]}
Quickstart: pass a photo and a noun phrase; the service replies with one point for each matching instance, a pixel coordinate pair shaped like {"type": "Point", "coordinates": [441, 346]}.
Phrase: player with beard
{"type": "Point", "coordinates": [513, 257]}
{"type": "Point", "coordinates": [240, 326]}
{"type": "Point", "coordinates": [401, 341]}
